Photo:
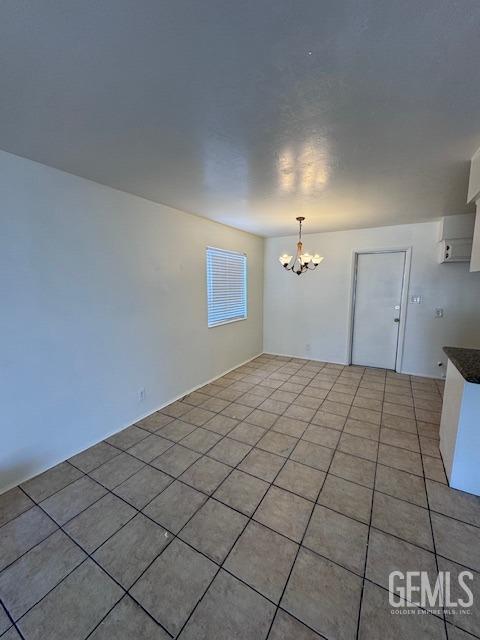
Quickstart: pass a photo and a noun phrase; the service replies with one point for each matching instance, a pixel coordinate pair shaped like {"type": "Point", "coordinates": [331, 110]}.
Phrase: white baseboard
{"type": "Point", "coordinates": [289, 355]}
{"type": "Point", "coordinates": [69, 454]}
{"type": "Point", "coordinates": [165, 404]}
{"type": "Point", "coordinates": [52, 462]}
{"type": "Point", "coordinates": [185, 393]}
{"type": "Point", "coordinates": [347, 364]}
{"type": "Point", "coordinates": [422, 375]}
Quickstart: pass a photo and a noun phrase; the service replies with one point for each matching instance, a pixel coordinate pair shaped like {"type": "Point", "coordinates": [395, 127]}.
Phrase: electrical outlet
{"type": "Point", "coordinates": [141, 394]}
{"type": "Point", "coordinates": [308, 348]}
{"type": "Point", "coordinates": [438, 313]}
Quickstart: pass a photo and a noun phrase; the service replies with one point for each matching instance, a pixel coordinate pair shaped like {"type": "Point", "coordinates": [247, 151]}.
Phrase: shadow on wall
{"type": "Point", "coordinates": [463, 331]}
{"type": "Point", "coordinates": [467, 331]}
{"type": "Point", "coordinates": [8, 475]}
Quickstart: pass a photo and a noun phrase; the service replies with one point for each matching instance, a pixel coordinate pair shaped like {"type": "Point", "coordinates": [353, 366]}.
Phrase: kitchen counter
{"type": "Point", "coordinates": [467, 361]}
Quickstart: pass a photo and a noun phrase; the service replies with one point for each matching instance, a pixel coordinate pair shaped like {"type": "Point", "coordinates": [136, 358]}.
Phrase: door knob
{"type": "Point", "coordinates": [396, 319]}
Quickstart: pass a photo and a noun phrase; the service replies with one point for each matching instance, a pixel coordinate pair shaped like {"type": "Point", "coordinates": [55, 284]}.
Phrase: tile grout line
{"type": "Point", "coordinates": [126, 595]}
{"type": "Point", "coordinates": [216, 499]}
{"type": "Point", "coordinates": [269, 429]}
{"type": "Point", "coordinates": [111, 491]}
{"type": "Point", "coordinates": [89, 556]}
{"type": "Point", "coordinates": [271, 484]}
{"type": "Point", "coordinates": [13, 625]}
{"type": "Point", "coordinates": [360, 606]}
{"type": "Point", "coordinates": [176, 536]}
{"type": "Point", "coordinates": [250, 518]}
{"type": "Point", "coordinates": [177, 477]}
{"type": "Point", "coordinates": [432, 533]}
{"type": "Point", "coordinates": [300, 544]}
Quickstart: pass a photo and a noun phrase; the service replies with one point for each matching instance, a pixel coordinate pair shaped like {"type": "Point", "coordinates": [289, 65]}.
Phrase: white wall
{"type": "Point", "coordinates": [102, 293]}
{"type": "Point", "coordinates": [314, 308]}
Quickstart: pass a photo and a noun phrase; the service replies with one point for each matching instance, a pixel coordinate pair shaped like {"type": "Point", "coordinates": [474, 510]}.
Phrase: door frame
{"type": "Point", "coordinates": [403, 299]}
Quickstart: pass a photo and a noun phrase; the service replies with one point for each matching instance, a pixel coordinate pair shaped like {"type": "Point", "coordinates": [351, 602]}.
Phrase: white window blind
{"type": "Point", "coordinates": [226, 286]}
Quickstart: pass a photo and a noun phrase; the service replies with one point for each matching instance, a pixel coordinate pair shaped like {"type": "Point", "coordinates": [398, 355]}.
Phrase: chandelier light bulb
{"type": "Point", "coordinates": [285, 259]}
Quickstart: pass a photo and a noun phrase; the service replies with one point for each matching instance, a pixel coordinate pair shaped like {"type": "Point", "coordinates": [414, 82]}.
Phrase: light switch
{"type": "Point", "coordinates": [415, 299]}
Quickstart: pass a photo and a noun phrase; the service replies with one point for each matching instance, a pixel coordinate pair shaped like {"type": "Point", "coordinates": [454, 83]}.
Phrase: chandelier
{"type": "Point", "coordinates": [302, 261]}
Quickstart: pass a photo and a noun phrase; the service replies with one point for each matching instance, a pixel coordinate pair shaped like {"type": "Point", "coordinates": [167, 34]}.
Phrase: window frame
{"type": "Point", "coordinates": [211, 325]}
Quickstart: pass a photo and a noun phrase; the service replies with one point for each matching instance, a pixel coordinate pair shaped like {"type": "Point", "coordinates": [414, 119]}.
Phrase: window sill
{"type": "Point", "coordinates": [219, 324]}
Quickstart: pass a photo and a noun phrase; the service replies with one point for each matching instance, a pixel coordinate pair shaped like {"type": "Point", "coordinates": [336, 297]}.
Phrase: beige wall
{"type": "Point", "coordinates": [103, 294]}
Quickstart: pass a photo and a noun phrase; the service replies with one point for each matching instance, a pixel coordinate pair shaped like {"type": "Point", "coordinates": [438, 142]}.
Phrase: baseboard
{"type": "Point", "coordinates": [180, 396]}
{"type": "Point", "coordinates": [185, 393]}
{"type": "Point", "coordinates": [422, 375]}
{"type": "Point", "coordinates": [69, 454]}
{"type": "Point", "coordinates": [289, 355]}
{"type": "Point", "coordinates": [174, 399]}
{"type": "Point", "coordinates": [346, 364]}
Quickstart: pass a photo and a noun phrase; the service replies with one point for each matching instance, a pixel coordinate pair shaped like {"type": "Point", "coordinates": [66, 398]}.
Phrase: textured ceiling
{"type": "Point", "coordinates": [353, 113]}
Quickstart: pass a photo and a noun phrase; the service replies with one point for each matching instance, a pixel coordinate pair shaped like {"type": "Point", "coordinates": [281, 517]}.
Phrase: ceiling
{"type": "Point", "coordinates": [353, 113]}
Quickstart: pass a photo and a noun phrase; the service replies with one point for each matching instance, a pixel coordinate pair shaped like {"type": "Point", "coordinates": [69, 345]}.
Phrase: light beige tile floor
{"type": "Point", "coordinates": [271, 503]}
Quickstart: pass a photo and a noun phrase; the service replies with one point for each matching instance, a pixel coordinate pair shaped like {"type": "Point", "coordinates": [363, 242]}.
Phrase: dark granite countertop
{"type": "Point", "coordinates": [467, 362]}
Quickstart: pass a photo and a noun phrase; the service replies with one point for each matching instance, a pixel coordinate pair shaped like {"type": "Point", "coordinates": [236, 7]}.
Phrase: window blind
{"type": "Point", "coordinates": [226, 286]}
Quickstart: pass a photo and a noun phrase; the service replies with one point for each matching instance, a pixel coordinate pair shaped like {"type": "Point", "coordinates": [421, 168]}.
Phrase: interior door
{"type": "Point", "coordinates": [376, 320]}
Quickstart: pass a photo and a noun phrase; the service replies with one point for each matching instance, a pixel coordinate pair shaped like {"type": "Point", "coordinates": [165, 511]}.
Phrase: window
{"type": "Point", "coordinates": [226, 286]}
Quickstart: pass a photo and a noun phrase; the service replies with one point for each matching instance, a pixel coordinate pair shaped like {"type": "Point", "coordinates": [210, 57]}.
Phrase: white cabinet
{"type": "Point", "coordinates": [460, 431]}
{"type": "Point", "coordinates": [456, 250]}
{"type": "Point", "coordinates": [455, 238]}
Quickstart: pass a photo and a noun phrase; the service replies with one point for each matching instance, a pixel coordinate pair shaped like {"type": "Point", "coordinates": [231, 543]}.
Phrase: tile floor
{"type": "Point", "coordinates": [272, 503]}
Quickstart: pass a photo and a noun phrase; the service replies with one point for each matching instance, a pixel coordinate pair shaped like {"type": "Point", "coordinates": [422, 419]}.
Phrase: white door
{"type": "Point", "coordinates": [376, 320]}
